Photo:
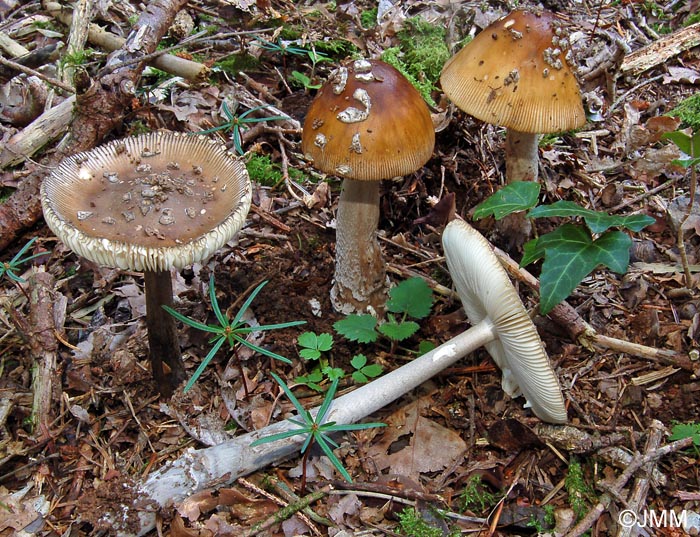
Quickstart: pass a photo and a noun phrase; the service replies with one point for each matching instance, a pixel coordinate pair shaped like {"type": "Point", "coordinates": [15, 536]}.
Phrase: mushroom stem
{"type": "Point", "coordinates": [521, 156]}
{"type": "Point", "coordinates": [360, 272]}
{"type": "Point", "coordinates": [199, 469]}
{"type": "Point", "coordinates": [163, 342]}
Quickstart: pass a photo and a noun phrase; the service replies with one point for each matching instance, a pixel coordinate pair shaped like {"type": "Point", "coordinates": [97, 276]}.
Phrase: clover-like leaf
{"type": "Point", "coordinates": [412, 297]}
{"type": "Point", "coordinates": [514, 197]}
{"type": "Point", "coordinates": [398, 331]}
{"type": "Point", "coordinates": [360, 328]}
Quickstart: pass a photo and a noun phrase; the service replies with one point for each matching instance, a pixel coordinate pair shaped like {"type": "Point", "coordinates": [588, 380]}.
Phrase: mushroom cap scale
{"type": "Point", "coordinates": [488, 295]}
{"type": "Point", "coordinates": [368, 122]}
{"type": "Point", "coordinates": [148, 202]}
{"type": "Point", "coordinates": [515, 74]}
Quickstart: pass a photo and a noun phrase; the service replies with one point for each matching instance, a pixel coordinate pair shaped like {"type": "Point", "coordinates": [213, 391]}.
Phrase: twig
{"type": "Point", "coordinates": [285, 513]}
{"type": "Point", "coordinates": [680, 243]}
{"type": "Point", "coordinates": [648, 193]}
{"type": "Point", "coordinates": [637, 497]}
{"type": "Point", "coordinates": [34, 72]}
{"type": "Point", "coordinates": [606, 499]}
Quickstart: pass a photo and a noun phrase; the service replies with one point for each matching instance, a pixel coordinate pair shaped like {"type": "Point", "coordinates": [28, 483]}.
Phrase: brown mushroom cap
{"type": "Point", "coordinates": [368, 123]}
{"type": "Point", "coordinates": [515, 74]}
{"type": "Point", "coordinates": [149, 202]}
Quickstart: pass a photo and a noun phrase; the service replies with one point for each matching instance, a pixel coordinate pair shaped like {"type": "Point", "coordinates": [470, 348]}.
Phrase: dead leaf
{"type": "Point", "coordinates": [423, 445]}
{"type": "Point", "coordinates": [682, 75]}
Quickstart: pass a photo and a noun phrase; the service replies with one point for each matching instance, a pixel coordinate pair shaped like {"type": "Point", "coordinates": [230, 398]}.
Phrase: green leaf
{"type": "Point", "coordinates": [333, 373]}
{"type": "Point", "coordinates": [690, 145]}
{"type": "Point", "coordinates": [597, 221]}
{"type": "Point", "coordinates": [399, 331]}
{"type": "Point", "coordinates": [571, 254]}
{"type": "Point", "coordinates": [325, 342]}
{"type": "Point", "coordinates": [360, 328]}
{"type": "Point", "coordinates": [514, 197]}
{"type": "Point", "coordinates": [309, 354]}
{"type": "Point", "coordinates": [412, 297]}
{"type": "Point", "coordinates": [359, 377]}
{"type": "Point", "coordinates": [308, 340]}
{"type": "Point", "coordinates": [372, 370]}
{"type": "Point", "coordinates": [204, 364]}
{"type": "Point", "coordinates": [686, 430]}
{"type": "Point", "coordinates": [358, 361]}
{"type": "Point", "coordinates": [425, 346]}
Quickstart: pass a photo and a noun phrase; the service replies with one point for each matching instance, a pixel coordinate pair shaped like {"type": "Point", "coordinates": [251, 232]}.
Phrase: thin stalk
{"type": "Point", "coordinates": [679, 237]}
{"type": "Point", "coordinates": [226, 462]}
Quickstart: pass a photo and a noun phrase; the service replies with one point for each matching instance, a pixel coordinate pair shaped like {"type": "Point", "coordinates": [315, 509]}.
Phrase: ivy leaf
{"type": "Point", "coordinates": [398, 331]}
{"type": "Point", "coordinates": [597, 221]}
{"type": "Point", "coordinates": [412, 297]}
{"type": "Point", "coordinates": [570, 254]}
{"type": "Point", "coordinates": [514, 197]}
{"type": "Point", "coordinates": [690, 145]}
{"type": "Point", "coordinates": [360, 328]}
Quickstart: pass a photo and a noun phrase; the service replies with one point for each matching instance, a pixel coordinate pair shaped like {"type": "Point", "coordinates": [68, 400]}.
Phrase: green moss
{"type": "Point", "coordinates": [424, 46]}
{"type": "Point", "coordinates": [475, 497]}
{"type": "Point", "coordinates": [578, 489]}
{"type": "Point", "coordinates": [368, 18]}
{"type": "Point", "coordinates": [267, 173]}
{"type": "Point", "coordinates": [421, 54]}
{"type": "Point", "coordinates": [688, 111]}
{"type": "Point", "coordinates": [394, 56]}
{"type": "Point", "coordinates": [413, 525]}
{"type": "Point", "coordinates": [235, 63]}
{"type": "Point", "coordinates": [691, 19]}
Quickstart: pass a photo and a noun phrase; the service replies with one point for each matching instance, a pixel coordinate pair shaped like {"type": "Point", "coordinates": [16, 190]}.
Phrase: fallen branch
{"type": "Point", "coordinates": [616, 488]}
{"type": "Point", "coordinates": [661, 50]}
{"type": "Point", "coordinates": [169, 63]}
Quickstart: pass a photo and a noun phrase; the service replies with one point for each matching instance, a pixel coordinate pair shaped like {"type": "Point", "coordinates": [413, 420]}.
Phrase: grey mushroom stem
{"type": "Point", "coordinates": [360, 272]}
{"type": "Point", "coordinates": [199, 469]}
{"type": "Point", "coordinates": [163, 342]}
{"type": "Point", "coordinates": [521, 156]}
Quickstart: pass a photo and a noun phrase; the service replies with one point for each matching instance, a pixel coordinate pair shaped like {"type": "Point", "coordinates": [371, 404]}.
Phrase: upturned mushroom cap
{"type": "Point", "coordinates": [515, 74]}
{"type": "Point", "coordinates": [487, 294]}
{"type": "Point", "coordinates": [148, 203]}
{"type": "Point", "coordinates": [368, 123]}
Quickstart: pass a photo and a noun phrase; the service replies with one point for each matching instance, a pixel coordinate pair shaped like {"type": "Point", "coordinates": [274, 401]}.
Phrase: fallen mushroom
{"type": "Point", "coordinates": [367, 123]}
{"type": "Point", "coordinates": [515, 73]}
{"type": "Point", "coordinates": [502, 325]}
{"type": "Point", "coordinates": [149, 203]}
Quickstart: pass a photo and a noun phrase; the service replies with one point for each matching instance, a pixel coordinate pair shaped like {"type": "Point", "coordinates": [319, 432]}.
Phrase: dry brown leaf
{"type": "Point", "coordinates": [429, 446]}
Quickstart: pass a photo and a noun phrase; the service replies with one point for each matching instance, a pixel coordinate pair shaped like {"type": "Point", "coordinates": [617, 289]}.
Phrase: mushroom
{"type": "Point", "coordinates": [515, 73]}
{"type": "Point", "coordinates": [489, 297]}
{"type": "Point", "coordinates": [367, 123]}
{"type": "Point", "coordinates": [149, 203]}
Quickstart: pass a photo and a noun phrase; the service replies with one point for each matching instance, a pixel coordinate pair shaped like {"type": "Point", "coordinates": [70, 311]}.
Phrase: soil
{"type": "Point", "coordinates": [108, 427]}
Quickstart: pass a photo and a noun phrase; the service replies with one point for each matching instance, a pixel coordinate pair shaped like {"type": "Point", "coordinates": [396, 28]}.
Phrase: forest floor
{"type": "Point", "coordinates": [458, 450]}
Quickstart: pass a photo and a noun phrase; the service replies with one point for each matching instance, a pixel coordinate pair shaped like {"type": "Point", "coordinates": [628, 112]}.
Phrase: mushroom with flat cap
{"type": "Point", "coordinates": [367, 123]}
{"type": "Point", "coordinates": [489, 297]}
{"type": "Point", "coordinates": [515, 74]}
{"type": "Point", "coordinates": [149, 203]}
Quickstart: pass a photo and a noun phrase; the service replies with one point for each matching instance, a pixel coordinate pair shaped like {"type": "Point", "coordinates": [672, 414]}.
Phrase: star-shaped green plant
{"type": "Point", "coordinates": [236, 122]}
{"type": "Point", "coordinates": [315, 428]}
{"type": "Point", "coordinates": [9, 268]}
{"type": "Point", "coordinates": [233, 331]}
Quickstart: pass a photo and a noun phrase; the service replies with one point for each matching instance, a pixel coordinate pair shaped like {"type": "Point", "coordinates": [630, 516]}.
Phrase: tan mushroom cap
{"type": "Point", "coordinates": [368, 123]}
{"type": "Point", "coordinates": [487, 294]}
{"type": "Point", "coordinates": [149, 202]}
{"type": "Point", "coordinates": [515, 74]}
